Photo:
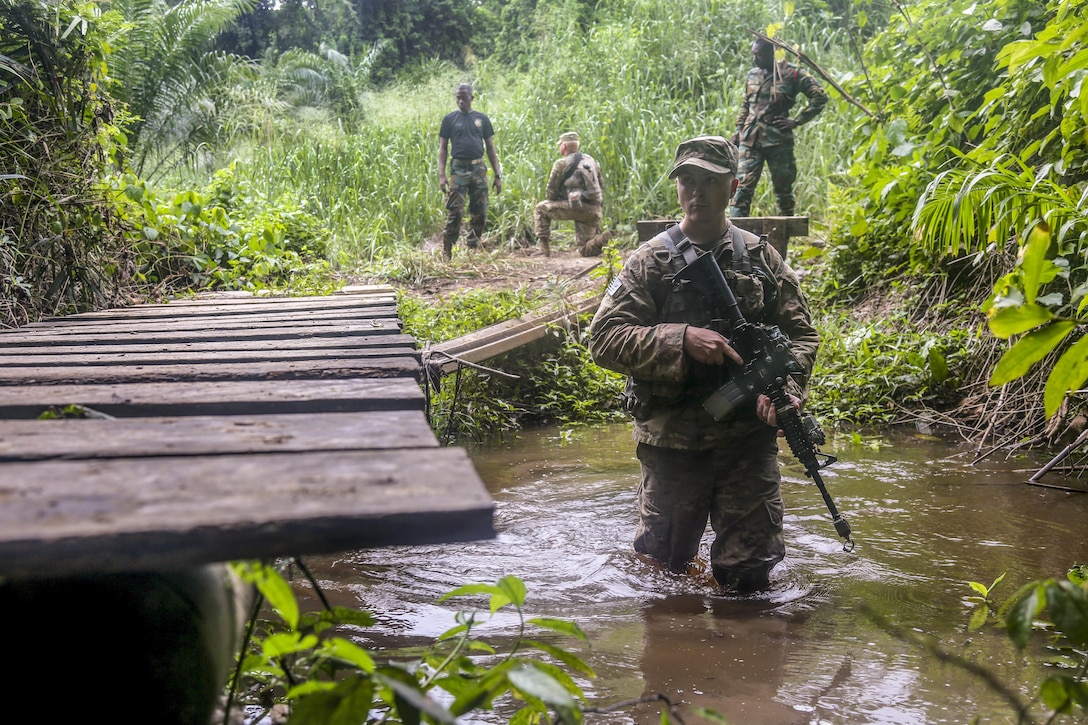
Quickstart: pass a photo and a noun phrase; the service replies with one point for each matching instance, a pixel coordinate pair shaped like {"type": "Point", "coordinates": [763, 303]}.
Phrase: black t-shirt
{"type": "Point", "coordinates": [466, 132]}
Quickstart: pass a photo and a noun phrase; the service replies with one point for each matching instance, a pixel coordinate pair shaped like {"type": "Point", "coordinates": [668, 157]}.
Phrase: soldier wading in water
{"type": "Point", "coordinates": [658, 332]}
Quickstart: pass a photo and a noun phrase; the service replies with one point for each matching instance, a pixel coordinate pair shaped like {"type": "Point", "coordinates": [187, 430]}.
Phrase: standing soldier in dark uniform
{"type": "Point", "coordinates": [657, 329]}
{"type": "Point", "coordinates": [574, 192]}
{"type": "Point", "coordinates": [765, 128]}
{"type": "Point", "coordinates": [467, 133]}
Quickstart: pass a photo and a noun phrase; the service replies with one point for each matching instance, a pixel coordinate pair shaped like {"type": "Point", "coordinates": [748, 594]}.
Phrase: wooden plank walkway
{"type": "Point", "coordinates": [222, 429]}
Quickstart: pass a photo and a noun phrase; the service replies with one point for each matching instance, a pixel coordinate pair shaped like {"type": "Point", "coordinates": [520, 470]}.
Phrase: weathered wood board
{"type": "Point", "coordinates": [68, 517]}
{"type": "Point", "coordinates": [222, 429]}
{"type": "Point", "coordinates": [128, 400]}
{"type": "Point", "coordinates": [72, 439]}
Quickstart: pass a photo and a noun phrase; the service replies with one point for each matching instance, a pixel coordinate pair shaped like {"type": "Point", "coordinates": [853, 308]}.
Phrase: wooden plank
{"type": "Point", "coordinates": [510, 340]}
{"type": "Point", "coordinates": [217, 308]}
{"type": "Point", "coordinates": [94, 356]}
{"type": "Point", "coordinates": [359, 329]}
{"type": "Point", "coordinates": [71, 439]}
{"type": "Point", "coordinates": [60, 518]}
{"type": "Point", "coordinates": [385, 366]}
{"type": "Point", "coordinates": [778, 229]}
{"type": "Point", "coordinates": [384, 340]}
{"type": "Point", "coordinates": [210, 312]}
{"type": "Point", "coordinates": [361, 316]}
{"type": "Point", "coordinates": [127, 400]}
{"type": "Point", "coordinates": [505, 329]}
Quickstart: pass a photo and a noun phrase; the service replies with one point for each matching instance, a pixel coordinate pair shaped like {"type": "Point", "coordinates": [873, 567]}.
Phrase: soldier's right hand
{"type": "Point", "coordinates": [442, 183]}
{"type": "Point", "coordinates": [709, 347]}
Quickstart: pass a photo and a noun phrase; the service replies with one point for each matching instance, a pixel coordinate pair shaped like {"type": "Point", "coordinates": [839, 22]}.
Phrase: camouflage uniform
{"type": "Point", "coordinates": [467, 134]}
{"type": "Point", "coordinates": [694, 467]}
{"type": "Point", "coordinates": [566, 199]}
{"type": "Point", "coordinates": [768, 97]}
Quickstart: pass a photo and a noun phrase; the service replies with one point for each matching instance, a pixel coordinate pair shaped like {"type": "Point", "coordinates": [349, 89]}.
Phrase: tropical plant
{"type": "Point", "coordinates": [60, 249]}
{"type": "Point", "coordinates": [315, 664]}
{"type": "Point", "coordinates": [1065, 692]}
{"type": "Point", "coordinates": [161, 68]}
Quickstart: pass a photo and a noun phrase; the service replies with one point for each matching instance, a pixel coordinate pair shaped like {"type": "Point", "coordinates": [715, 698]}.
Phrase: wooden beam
{"type": "Point", "coordinates": [778, 229]}
{"type": "Point", "coordinates": [131, 400]}
{"type": "Point", "coordinates": [61, 518]}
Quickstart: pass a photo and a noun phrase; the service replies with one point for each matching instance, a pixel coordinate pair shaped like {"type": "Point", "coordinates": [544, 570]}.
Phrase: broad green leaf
{"type": "Point", "coordinates": [532, 681]}
{"type": "Point", "coordinates": [980, 588]}
{"type": "Point", "coordinates": [562, 626]}
{"type": "Point", "coordinates": [514, 589]}
{"type": "Point", "coordinates": [1008, 321]}
{"type": "Point", "coordinates": [1029, 350]}
{"type": "Point", "coordinates": [711, 715]}
{"type": "Point", "coordinates": [1068, 607]}
{"type": "Point", "coordinates": [938, 367]}
{"type": "Point", "coordinates": [471, 589]}
{"type": "Point", "coordinates": [1069, 373]}
{"type": "Point", "coordinates": [272, 587]}
{"type": "Point", "coordinates": [348, 703]}
{"type": "Point", "coordinates": [410, 697]}
{"type": "Point", "coordinates": [285, 643]}
{"type": "Point", "coordinates": [348, 651]}
{"type": "Point", "coordinates": [1056, 694]}
{"type": "Point", "coordinates": [571, 660]}
{"type": "Point", "coordinates": [1021, 617]}
{"type": "Point", "coordinates": [1034, 260]}
{"type": "Point", "coordinates": [978, 618]}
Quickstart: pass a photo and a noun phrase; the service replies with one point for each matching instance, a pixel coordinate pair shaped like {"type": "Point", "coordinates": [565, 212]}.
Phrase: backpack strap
{"type": "Point", "coordinates": [572, 168]}
{"type": "Point", "coordinates": [678, 243]}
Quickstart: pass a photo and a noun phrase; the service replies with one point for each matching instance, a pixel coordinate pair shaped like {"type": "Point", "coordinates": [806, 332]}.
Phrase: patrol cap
{"type": "Point", "coordinates": [713, 153]}
{"type": "Point", "coordinates": [568, 136]}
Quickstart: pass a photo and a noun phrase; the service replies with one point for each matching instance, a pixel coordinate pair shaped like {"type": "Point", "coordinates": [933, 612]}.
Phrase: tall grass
{"type": "Point", "coordinates": [644, 77]}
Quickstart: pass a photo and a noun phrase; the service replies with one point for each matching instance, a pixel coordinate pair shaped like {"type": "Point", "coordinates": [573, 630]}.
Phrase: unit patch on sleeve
{"type": "Point", "coordinates": [613, 287]}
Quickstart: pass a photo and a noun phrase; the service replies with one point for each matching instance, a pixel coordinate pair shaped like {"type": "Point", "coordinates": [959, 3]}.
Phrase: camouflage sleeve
{"type": "Point", "coordinates": [625, 335]}
{"type": "Point", "coordinates": [794, 317]}
{"type": "Point", "coordinates": [555, 180]}
{"type": "Point", "coordinates": [817, 97]}
{"type": "Point", "coordinates": [742, 114]}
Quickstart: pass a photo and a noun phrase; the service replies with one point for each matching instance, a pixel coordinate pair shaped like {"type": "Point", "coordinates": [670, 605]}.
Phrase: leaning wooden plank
{"type": "Point", "coordinates": [370, 327]}
{"type": "Point", "coordinates": [96, 356]}
{"type": "Point", "coordinates": [215, 345]}
{"type": "Point", "coordinates": [131, 400]}
{"type": "Point", "coordinates": [59, 518]}
{"type": "Point", "coordinates": [313, 369]}
{"type": "Point", "coordinates": [72, 439]}
{"type": "Point", "coordinates": [503, 330]}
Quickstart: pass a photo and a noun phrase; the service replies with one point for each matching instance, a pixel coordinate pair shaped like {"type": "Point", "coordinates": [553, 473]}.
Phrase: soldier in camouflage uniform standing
{"type": "Point", "coordinates": [469, 133]}
{"type": "Point", "coordinates": [574, 192]}
{"type": "Point", "coordinates": [658, 332]}
{"type": "Point", "coordinates": [765, 129]}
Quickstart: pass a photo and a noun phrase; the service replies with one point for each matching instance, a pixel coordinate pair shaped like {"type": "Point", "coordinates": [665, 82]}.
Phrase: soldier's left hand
{"type": "Point", "coordinates": [785, 124]}
{"type": "Point", "coordinates": [765, 410]}
{"type": "Point", "coordinates": [498, 185]}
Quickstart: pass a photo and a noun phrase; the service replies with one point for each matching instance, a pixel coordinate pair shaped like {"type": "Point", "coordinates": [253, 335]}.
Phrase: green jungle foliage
{"type": "Point", "coordinates": [313, 662]}
{"type": "Point", "coordinates": [958, 131]}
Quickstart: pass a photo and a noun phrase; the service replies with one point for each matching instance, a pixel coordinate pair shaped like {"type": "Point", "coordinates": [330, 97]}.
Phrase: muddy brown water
{"type": "Point", "coordinates": [812, 649]}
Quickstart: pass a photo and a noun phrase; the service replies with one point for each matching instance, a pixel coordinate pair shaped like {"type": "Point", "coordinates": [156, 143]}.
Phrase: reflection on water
{"type": "Point", "coordinates": [806, 651]}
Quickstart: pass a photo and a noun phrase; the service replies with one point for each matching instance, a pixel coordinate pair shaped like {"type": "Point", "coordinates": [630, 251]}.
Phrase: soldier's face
{"type": "Point", "coordinates": [704, 194]}
{"type": "Point", "coordinates": [763, 54]}
{"type": "Point", "coordinates": [464, 99]}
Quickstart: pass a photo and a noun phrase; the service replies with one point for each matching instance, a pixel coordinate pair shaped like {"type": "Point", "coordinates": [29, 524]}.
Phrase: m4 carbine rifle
{"type": "Point", "coordinates": [768, 363]}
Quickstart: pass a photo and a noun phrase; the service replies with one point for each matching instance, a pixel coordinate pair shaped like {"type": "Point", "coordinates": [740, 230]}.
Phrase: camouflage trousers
{"type": "Point", "coordinates": [468, 180]}
{"type": "Point", "coordinates": [586, 217]}
{"type": "Point", "coordinates": [783, 168]}
{"type": "Point", "coordinates": [736, 486]}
